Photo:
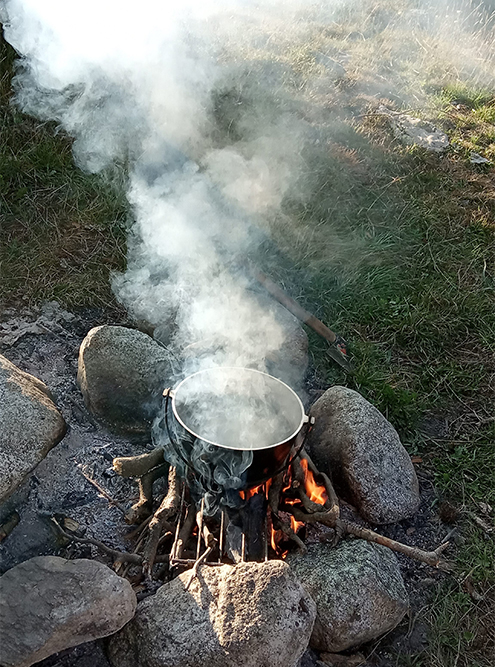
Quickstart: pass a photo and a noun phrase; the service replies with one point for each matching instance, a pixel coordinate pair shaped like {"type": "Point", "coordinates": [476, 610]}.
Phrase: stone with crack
{"type": "Point", "coordinates": [30, 425]}
{"type": "Point", "coordinates": [358, 590]}
{"type": "Point", "coordinates": [48, 604]}
{"type": "Point", "coordinates": [250, 614]}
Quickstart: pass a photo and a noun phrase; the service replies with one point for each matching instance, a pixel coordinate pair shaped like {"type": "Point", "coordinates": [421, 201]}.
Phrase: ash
{"type": "Point", "coordinates": [46, 344]}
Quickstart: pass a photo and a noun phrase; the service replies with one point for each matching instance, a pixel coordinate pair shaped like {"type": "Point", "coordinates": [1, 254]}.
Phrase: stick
{"type": "Point", "coordinates": [291, 305]}
{"type": "Point", "coordinates": [168, 507]}
{"type": "Point", "coordinates": [103, 492]}
{"type": "Point", "coordinates": [194, 571]}
{"type": "Point", "coordinates": [275, 491]}
{"type": "Point", "coordinates": [185, 531]}
{"type": "Point", "coordinates": [432, 558]}
{"type": "Point", "coordinates": [143, 508]}
{"type": "Point", "coordinates": [287, 530]}
{"type": "Point", "coordinates": [119, 556]}
{"type": "Point", "coordinates": [137, 466]}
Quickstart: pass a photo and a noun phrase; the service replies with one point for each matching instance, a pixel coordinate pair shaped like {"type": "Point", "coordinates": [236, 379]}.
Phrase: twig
{"type": "Point", "coordinates": [199, 561]}
{"type": "Point", "coordinates": [185, 531]}
{"type": "Point", "coordinates": [168, 507]}
{"type": "Point", "coordinates": [119, 556]}
{"type": "Point", "coordinates": [275, 491]}
{"type": "Point", "coordinates": [103, 492]}
{"type": "Point", "coordinates": [287, 530]}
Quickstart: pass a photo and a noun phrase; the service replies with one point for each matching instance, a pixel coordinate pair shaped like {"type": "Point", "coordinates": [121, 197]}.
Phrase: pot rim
{"type": "Point", "coordinates": [304, 418]}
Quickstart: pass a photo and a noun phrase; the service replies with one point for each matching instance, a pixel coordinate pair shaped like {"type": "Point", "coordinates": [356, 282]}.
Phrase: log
{"type": "Point", "coordinates": [137, 466]}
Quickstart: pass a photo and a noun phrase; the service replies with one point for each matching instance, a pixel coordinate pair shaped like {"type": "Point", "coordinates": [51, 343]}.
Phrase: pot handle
{"type": "Point", "coordinates": [168, 394]}
{"type": "Point", "coordinates": [308, 421]}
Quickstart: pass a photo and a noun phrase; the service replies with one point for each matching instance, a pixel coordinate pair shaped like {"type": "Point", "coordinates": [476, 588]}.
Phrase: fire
{"type": "Point", "coordinates": [315, 492]}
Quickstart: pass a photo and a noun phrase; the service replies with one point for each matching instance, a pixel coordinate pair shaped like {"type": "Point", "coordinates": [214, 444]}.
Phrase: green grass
{"type": "Point", "coordinates": [391, 247]}
{"type": "Point", "coordinates": [61, 231]}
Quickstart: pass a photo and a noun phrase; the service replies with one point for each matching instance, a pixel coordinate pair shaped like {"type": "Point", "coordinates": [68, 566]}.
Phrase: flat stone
{"type": "Point", "coordinates": [30, 425]}
{"type": "Point", "coordinates": [358, 590]}
{"type": "Point", "coordinates": [122, 373]}
{"type": "Point", "coordinates": [48, 604]}
{"type": "Point", "coordinates": [250, 614]}
{"type": "Point", "coordinates": [354, 443]}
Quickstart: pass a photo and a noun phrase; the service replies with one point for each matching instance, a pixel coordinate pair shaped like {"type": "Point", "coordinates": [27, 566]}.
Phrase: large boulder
{"type": "Point", "coordinates": [250, 614]}
{"type": "Point", "coordinates": [122, 373]}
{"type": "Point", "coordinates": [354, 443]}
{"type": "Point", "coordinates": [30, 425]}
{"type": "Point", "coordinates": [358, 590]}
{"type": "Point", "coordinates": [48, 604]}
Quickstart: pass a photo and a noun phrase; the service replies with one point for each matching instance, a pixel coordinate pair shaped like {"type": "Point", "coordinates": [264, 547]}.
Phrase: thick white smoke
{"type": "Point", "coordinates": [133, 82]}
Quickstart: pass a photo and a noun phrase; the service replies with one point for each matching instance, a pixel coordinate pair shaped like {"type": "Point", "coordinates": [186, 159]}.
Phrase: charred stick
{"type": "Point", "coordinates": [333, 500]}
{"type": "Point", "coordinates": [143, 508]}
{"type": "Point", "coordinates": [119, 556]}
{"type": "Point", "coordinates": [168, 507]}
{"type": "Point", "coordinates": [102, 491]}
{"type": "Point", "coordinates": [275, 491]}
{"type": "Point", "coordinates": [287, 530]}
{"type": "Point", "coordinates": [137, 466]}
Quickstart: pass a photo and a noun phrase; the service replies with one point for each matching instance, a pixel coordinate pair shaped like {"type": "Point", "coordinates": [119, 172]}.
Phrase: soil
{"type": "Point", "coordinates": [46, 343]}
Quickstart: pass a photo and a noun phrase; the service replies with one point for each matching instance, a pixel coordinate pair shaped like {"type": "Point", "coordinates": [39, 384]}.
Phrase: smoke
{"type": "Point", "coordinates": [215, 109]}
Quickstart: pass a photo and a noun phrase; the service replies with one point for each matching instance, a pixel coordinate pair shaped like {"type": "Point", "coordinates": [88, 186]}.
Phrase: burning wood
{"type": "Point", "coordinates": [272, 515]}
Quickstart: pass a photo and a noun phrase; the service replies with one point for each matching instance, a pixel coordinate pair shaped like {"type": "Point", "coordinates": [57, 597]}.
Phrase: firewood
{"type": "Point", "coordinates": [275, 491]}
{"type": "Point", "coordinates": [143, 508]}
{"type": "Point", "coordinates": [102, 491]}
{"type": "Point", "coordinates": [432, 558]}
{"type": "Point", "coordinates": [279, 524]}
{"type": "Point", "coordinates": [137, 466]}
{"type": "Point", "coordinates": [167, 509]}
{"type": "Point", "coordinates": [185, 531]}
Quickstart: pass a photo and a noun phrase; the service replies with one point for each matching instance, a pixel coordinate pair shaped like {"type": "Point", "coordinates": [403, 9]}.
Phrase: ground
{"type": "Point", "coordinates": [394, 249]}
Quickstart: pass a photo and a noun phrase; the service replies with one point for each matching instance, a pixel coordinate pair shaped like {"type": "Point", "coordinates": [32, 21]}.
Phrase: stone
{"type": "Point", "coordinates": [415, 131]}
{"type": "Point", "coordinates": [354, 443]}
{"type": "Point", "coordinates": [30, 425]}
{"type": "Point", "coordinates": [48, 604]}
{"type": "Point", "coordinates": [358, 590]}
{"type": "Point", "coordinates": [122, 373]}
{"type": "Point", "coordinates": [250, 614]}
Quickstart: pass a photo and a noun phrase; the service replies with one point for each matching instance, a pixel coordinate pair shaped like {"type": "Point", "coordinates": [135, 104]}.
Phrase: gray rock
{"type": "Point", "coordinates": [30, 425]}
{"type": "Point", "coordinates": [358, 590]}
{"type": "Point", "coordinates": [122, 373]}
{"type": "Point", "coordinates": [250, 614]}
{"type": "Point", "coordinates": [416, 131]}
{"type": "Point", "coordinates": [352, 441]}
{"type": "Point", "coordinates": [48, 604]}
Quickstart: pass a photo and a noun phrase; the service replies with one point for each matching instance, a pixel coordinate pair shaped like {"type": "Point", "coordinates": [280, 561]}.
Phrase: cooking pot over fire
{"type": "Point", "coordinates": [219, 411]}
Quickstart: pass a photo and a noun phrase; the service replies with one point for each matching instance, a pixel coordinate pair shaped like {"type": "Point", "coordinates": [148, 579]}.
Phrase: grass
{"type": "Point", "coordinates": [61, 231]}
{"type": "Point", "coordinates": [392, 247]}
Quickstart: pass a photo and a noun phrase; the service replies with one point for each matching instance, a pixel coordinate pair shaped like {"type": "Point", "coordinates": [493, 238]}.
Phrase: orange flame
{"type": "Point", "coordinates": [316, 492]}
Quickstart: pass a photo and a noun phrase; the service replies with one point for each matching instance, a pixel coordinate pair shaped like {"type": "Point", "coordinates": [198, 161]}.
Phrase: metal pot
{"type": "Point", "coordinates": [240, 410]}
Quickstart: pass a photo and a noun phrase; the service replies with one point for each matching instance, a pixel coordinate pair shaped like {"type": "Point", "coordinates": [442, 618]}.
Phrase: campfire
{"type": "Point", "coordinates": [228, 502]}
